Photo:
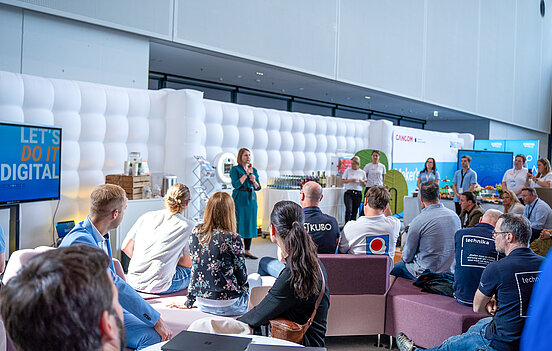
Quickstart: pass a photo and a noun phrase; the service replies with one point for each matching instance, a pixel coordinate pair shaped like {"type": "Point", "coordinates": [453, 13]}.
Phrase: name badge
{"type": "Point", "coordinates": [460, 190]}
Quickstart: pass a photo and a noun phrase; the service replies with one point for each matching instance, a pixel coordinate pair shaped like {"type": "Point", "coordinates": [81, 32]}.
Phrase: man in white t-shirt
{"type": "Point", "coordinates": [514, 179]}
{"type": "Point", "coordinates": [375, 171]}
{"type": "Point", "coordinates": [375, 233]}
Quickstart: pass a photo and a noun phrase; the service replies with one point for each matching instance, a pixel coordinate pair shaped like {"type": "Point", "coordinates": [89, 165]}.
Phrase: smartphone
{"type": "Point", "coordinates": [530, 171]}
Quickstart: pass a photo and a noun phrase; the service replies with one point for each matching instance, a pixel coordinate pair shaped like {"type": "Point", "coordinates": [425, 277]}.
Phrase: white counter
{"type": "Point", "coordinates": [332, 203]}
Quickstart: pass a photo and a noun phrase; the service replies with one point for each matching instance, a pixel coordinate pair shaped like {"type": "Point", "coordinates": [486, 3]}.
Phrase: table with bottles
{"type": "Point", "coordinates": [288, 187]}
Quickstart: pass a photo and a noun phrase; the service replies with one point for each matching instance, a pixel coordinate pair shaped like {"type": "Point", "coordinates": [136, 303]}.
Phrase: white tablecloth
{"type": "Point", "coordinates": [331, 204]}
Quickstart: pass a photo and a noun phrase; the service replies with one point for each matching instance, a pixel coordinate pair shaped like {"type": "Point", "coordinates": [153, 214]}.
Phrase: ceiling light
{"type": "Point", "coordinates": [283, 90]}
{"type": "Point", "coordinates": [260, 73]}
{"type": "Point", "coordinates": [301, 88]}
{"type": "Point", "coordinates": [221, 79]}
{"type": "Point", "coordinates": [348, 98]}
{"type": "Point", "coordinates": [367, 97]}
{"type": "Point", "coordinates": [257, 80]}
{"type": "Point", "coordinates": [239, 76]}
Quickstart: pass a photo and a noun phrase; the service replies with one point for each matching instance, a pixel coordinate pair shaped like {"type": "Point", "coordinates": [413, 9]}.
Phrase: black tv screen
{"type": "Point", "coordinates": [30, 163]}
{"type": "Point", "coordinates": [490, 166]}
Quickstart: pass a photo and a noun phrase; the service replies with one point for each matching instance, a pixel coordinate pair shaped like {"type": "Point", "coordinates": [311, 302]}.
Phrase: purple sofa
{"type": "Point", "coordinates": [358, 286]}
{"type": "Point", "coordinates": [428, 319]}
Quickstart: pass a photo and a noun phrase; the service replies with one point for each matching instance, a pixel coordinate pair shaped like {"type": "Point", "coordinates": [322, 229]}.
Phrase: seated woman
{"type": "Point", "coordinates": [158, 246]}
{"type": "Point", "coordinates": [219, 276]}
{"type": "Point", "coordinates": [511, 203]}
{"type": "Point", "coordinates": [293, 296]}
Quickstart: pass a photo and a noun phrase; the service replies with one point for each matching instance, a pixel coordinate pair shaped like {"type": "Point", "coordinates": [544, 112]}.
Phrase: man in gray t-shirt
{"type": "Point", "coordinates": [430, 241]}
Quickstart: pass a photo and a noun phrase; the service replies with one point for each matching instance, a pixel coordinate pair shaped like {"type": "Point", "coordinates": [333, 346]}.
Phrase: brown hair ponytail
{"type": "Point", "coordinates": [287, 218]}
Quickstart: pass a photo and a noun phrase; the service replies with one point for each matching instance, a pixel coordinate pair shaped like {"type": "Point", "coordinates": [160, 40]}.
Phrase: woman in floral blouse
{"type": "Point", "coordinates": [219, 276]}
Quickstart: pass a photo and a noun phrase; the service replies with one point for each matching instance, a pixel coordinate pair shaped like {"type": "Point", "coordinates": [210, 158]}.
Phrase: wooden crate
{"type": "Point", "coordinates": [133, 185]}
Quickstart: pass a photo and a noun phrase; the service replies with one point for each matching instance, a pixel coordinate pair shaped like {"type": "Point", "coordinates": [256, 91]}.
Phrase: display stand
{"type": "Point", "coordinates": [14, 227]}
{"type": "Point", "coordinates": [203, 186]}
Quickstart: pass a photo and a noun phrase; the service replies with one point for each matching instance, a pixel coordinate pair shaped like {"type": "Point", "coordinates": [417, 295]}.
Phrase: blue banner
{"type": "Point", "coordinates": [529, 148]}
{"type": "Point", "coordinates": [30, 163]}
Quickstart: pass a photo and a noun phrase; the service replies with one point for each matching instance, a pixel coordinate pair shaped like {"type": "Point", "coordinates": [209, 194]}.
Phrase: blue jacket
{"type": "Point", "coordinates": [130, 300]}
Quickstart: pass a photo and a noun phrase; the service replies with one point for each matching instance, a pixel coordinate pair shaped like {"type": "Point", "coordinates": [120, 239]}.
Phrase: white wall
{"type": "Point", "coordinates": [54, 47]}
{"type": "Point", "coordinates": [479, 128]}
{"type": "Point", "coordinates": [502, 131]}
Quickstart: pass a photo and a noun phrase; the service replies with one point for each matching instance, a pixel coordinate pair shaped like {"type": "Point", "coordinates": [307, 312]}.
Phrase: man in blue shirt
{"type": "Point", "coordinates": [474, 250]}
{"type": "Point", "coordinates": [464, 180]}
{"type": "Point", "coordinates": [537, 211]}
{"type": "Point", "coordinates": [430, 241]}
{"type": "Point", "coordinates": [143, 324]}
{"type": "Point", "coordinates": [323, 229]}
{"type": "Point", "coordinates": [504, 293]}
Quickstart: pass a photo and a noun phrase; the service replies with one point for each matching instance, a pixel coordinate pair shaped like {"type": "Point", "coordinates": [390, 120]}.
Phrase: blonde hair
{"type": "Point", "coordinates": [356, 160]}
{"type": "Point", "coordinates": [105, 198]}
{"type": "Point", "coordinates": [176, 198]}
{"type": "Point", "coordinates": [219, 214]}
{"type": "Point", "coordinates": [546, 165]}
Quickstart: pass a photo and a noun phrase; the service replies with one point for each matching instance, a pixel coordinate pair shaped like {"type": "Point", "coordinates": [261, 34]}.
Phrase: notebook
{"type": "Point", "coordinates": [187, 340]}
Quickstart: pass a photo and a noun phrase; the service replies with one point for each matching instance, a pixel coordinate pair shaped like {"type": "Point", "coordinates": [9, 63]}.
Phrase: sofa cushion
{"type": "Point", "coordinates": [428, 319]}
{"type": "Point", "coordinates": [357, 274]}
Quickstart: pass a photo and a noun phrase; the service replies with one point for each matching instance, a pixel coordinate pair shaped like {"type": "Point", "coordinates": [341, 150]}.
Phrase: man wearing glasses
{"type": "Point", "coordinates": [504, 292]}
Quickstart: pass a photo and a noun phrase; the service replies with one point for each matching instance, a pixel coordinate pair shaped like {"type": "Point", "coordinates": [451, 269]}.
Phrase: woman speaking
{"type": "Point", "coordinates": [245, 181]}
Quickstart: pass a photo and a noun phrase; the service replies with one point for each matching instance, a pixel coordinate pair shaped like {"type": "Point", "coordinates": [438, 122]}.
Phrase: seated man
{"type": "Point", "coordinates": [143, 324]}
{"type": "Point", "coordinates": [504, 292]}
{"type": "Point", "coordinates": [430, 241]}
{"type": "Point", "coordinates": [322, 228]}
{"type": "Point", "coordinates": [377, 231]}
{"type": "Point", "coordinates": [537, 211]}
{"type": "Point", "coordinates": [64, 300]}
{"type": "Point", "coordinates": [471, 211]}
{"type": "Point", "coordinates": [475, 249]}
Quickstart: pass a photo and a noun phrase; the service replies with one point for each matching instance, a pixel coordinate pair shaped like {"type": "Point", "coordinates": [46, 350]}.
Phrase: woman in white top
{"type": "Point", "coordinates": [353, 180]}
{"type": "Point", "coordinates": [514, 179]}
{"type": "Point", "coordinates": [511, 203]}
{"type": "Point", "coordinates": [429, 173]}
{"type": "Point", "coordinates": [375, 171]}
{"type": "Point", "coordinates": [543, 178]}
{"type": "Point", "coordinates": [158, 246]}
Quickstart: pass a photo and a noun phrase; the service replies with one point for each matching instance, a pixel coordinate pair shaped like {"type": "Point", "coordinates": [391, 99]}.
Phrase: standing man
{"type": "Point", "coordinates": [471, 211]}
{"type": "Point", "coordinates": [464, 180]}
{"type": "Point", "coordinates": [537, 212]}
{"type": "Point", "coordinates": [504, 293]}
{"type": "Point", "coordinates": [143, 324]}
{"type": "Point", "coordinates": [514, 179]}
{"type": "Point", "coordinates": [474, 250]}
{"type": "Point", "coordinates": [430, 240]}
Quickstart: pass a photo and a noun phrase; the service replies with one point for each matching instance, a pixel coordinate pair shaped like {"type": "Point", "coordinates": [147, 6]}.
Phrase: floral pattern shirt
{"type": "Point", "coordinates": [218, 267]}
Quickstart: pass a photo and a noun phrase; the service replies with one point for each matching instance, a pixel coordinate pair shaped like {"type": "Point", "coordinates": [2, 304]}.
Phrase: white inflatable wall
{"type": "Point", "coordinates": [101, 124]}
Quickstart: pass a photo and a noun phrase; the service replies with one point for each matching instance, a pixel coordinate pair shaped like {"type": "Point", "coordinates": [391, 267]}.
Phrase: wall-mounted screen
{"type": "Point", "coordinates": [30, 163]}
{"type": "Point", "coordinates": [490, 166]}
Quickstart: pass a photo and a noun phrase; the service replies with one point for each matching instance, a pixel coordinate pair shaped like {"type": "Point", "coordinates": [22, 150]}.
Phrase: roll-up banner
{"type": "Point", "coordinates": [412, 147]}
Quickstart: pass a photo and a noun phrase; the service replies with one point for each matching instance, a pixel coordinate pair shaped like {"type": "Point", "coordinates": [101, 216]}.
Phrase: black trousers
{"type": "Point", "coordinates": [352, 200]}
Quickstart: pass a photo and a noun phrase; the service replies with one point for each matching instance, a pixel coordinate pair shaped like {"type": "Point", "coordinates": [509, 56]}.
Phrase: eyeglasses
{"type": "Point", "coordinates": [495, 233]}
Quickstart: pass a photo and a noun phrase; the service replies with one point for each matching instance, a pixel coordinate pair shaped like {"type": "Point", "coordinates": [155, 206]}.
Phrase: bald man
{"type": "Point", "coordinates": [323, 229]}
{"type": "Point", "coordinates": [474, 250]}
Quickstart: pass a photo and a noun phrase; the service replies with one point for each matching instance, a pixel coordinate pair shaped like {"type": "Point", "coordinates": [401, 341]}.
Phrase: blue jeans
{"type": "Point", "coordinates": [473, 339]}
{"type": "Point", "coordinates": [270, 266]}
{"type": "Point", "coordinates": [399, 270]}
{"type": "Point", "coordinates": [138, 334]}
{"type": "Point", "coordinates": [237, 309]}
{"type": "Point", "coordinates": [180, 281]}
